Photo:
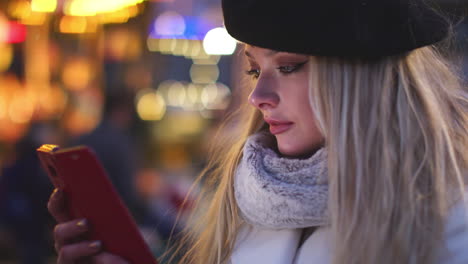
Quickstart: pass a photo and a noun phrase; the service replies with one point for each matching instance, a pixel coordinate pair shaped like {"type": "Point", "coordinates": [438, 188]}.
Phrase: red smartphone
{"type": "Point", "coordinates": [91, 195]}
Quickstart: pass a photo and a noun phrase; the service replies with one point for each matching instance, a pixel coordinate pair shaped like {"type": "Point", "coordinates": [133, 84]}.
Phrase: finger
{"type": "Point", "coordinates": [67, 232]}
{"type": "Point", "coordinates": [107, 258]}
{"type": "Point", "coordinates": [71, 254]}
{"type": "Point", "coordinates": [57, 206]}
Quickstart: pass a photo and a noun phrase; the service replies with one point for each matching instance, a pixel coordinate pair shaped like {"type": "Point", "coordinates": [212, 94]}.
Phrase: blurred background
{"type": "Point", "coordinates": [144, 83]}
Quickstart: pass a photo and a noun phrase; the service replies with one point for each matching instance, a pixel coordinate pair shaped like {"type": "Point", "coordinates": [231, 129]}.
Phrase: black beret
{"type": "Point", "coordinates": [347, 28]}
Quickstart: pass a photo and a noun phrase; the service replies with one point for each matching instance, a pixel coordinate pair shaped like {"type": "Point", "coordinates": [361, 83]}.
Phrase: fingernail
{"type": "Point", "coordinates": [82, 223]}
{"type": "Point", "coordinates": [95, 244]}
{"type": "Point", "coordinates": [56, 192]}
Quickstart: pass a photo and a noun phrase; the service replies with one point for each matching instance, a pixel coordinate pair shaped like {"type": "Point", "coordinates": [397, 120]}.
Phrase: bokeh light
{"type": "Point", "coordinates": [169, 24]}
{"type": "Point", "coordinates": [21, 107]}
{"type": "Point", "coordinates": [218, 42]}
{"type": "Point", "coordinates": [77, 74]}
{"type": "Point", "coordinates": [150, 105]}
{"type": "Point", "coordinates": [11, 31]}
{"type": "Point", "coordinates": [16, 32]}
{"type": "Point", "coordinates": [76, 25]}
{"type": "Point", "coordinates": [43, 5]}
{"type": "Point", "coordinates": [52, 102]}
{"type": "Point", "coordinates": [122, 44]}
{"type": "Point", "coordinates": [167, 46]}
{"type": "Point", "coordinates": [215, 96]}
{"type": "Point", "coordinates": [6, 56]}
{"type": "Point", "coordinates": [119, 16]}
{"type": "Point", "coordinates": [194, 94]}
{"type": "Point", "coordinates": [93, 7]}
{"type": "Point", "coordinates": [200, 73]}
{"type": "Point", "coordinates": [3, 107]}
{"type": "Point", "coordinates": [85, 113]}
{"type": "Point", "coordinates": [176, 94]}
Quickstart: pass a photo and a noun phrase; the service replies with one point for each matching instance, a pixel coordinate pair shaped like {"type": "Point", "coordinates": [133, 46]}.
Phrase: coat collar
{"type": "Point", "coordinates": [255, 245]}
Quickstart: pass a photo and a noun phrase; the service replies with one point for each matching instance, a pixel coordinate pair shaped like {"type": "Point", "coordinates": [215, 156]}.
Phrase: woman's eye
{"type": "Point", "coordinates": [255, 73]}
{"type": "Point", "coordinates": [291, 68]}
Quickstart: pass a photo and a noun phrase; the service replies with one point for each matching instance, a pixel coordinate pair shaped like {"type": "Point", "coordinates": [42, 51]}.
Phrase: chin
{"type": "Point", "coordinates": [291, 151]}
{"type": "Point", "coordinates": [296, 151]}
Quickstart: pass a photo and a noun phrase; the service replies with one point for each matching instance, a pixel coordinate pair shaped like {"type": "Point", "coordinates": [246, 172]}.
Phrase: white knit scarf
{"type": "Point", "coordinates": [277, 192]}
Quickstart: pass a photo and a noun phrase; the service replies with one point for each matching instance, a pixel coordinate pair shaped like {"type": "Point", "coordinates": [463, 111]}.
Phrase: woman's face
{"type": "Point", "coordinates": [281, 93]}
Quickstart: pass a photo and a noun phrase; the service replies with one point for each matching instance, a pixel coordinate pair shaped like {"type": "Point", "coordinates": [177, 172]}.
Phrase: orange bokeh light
{"type": "Point", "coordinates": [77, 74]}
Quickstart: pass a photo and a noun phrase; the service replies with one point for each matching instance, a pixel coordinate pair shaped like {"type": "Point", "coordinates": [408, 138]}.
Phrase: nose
{"type": "Point", "coordinates": [264, 95]}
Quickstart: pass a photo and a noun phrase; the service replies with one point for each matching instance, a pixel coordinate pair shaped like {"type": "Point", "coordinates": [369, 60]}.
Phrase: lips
{"type": "Point", "coordinates": [278, 126]}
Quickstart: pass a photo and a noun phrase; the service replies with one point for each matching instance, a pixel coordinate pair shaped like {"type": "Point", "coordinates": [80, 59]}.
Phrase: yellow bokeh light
{"type": "Point", "coordinates": [176, 94]}
{"type": "Point", "coordinates": [34, 19]}
{"type": "Point", "coordinates": [193, 93]}
{"type": "Point", "coordinates": [209, 94]}
{"type": "Point", "coordinates": [152, 44]}
{"type": "Point", "coordinates": [181, 47]}
{"type": "Point", "coordinates": [73, 25]}
{"type": "Point", "coordinates": [94, 7]}
{"type": "Point", "coordinates": [19, 9]}
{"type": "Point", "coordinates": [119, 16]}
{"type": "Point", "coordinates": [43, 5]}
{"type": "Point", "coordinates": [195, 49]}
{"type": "Point", "coordinates": [215, 96]}
{"type": "Point", "coordinates": [150, 106]}
{"type": "Point", "coordinates": [167, 46]}
{"type": "Point", "coordinates": [6, 56]}
{"type": "Point", "coordinates": [80, 8]}
{"type": "Point", "coordinates": [204, 73]}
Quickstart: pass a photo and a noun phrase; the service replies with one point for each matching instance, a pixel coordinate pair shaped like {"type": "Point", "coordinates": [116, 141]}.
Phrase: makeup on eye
{"type": "Point", "coordinates": [291, 68]}
{"type": "Point", "coordinates": [253, 72]}
{"type": "Point", "coordinates": [285, 69]}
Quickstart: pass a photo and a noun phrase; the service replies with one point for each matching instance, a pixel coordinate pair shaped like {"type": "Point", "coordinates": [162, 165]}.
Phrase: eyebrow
{"type": "Point", "coordinates": [269, 53]}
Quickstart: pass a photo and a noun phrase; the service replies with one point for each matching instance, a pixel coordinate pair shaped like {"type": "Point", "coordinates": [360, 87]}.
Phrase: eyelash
{"type": "Point", "coordinates": [255, 73]}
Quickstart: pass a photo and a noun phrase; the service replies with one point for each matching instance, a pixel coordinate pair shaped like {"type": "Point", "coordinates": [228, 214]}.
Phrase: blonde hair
{"type": "Point", "coordinates": [395, 129]}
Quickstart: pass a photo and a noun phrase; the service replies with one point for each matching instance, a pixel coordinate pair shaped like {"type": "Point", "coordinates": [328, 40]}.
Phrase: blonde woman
{"type": "Point", "coordinates": [352, 149]}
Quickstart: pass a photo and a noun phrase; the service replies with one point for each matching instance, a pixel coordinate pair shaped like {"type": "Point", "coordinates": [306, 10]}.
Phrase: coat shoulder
{"type": "Point", "coordinates": [455, 249]}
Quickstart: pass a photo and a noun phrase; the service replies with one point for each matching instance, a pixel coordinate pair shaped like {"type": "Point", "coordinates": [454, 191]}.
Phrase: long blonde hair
{"type": "Point", "coordinates": [396, 132]}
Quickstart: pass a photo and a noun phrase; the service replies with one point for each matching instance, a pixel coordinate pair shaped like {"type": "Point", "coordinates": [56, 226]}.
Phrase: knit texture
{"type": "Point", "coordinates": [278, 192]}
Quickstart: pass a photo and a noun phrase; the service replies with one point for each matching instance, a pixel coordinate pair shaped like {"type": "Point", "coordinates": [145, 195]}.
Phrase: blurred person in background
{"type": "Point", "coordinates": [352, 150]}
{"type": "Point", "coordinates": [113, 145]}
{"type": "Point", "coordinates": [24, 189]}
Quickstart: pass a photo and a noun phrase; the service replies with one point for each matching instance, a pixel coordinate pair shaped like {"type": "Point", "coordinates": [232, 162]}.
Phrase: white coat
{"type": "Point", "coordinates": [257, 246]}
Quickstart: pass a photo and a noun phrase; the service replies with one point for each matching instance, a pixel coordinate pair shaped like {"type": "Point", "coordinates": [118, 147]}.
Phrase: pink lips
{"type": "Point", "coordinates": [277, 126]}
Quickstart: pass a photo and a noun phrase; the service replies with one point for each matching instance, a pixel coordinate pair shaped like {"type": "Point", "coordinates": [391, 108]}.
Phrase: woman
{"type": "Point", "coordinates": [355, 149]}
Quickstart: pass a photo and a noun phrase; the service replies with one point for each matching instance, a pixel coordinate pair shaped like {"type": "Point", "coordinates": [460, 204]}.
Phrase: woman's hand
{"type": "Point", "coordinates": [69, 233]}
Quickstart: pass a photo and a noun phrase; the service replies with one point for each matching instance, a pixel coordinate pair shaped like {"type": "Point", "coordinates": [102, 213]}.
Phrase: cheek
{"type": "Point", "coordinates": [306, 138]}
{"type": "Point", "coordinates": [309, 129]}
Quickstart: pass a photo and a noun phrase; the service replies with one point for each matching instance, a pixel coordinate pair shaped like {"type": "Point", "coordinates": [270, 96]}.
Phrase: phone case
{"type": "Point", "coordinates": [91, 195]}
